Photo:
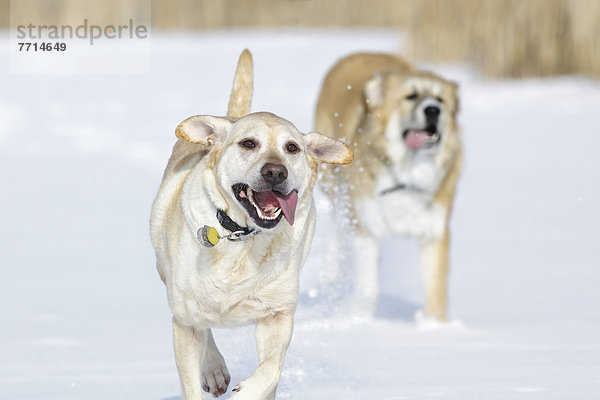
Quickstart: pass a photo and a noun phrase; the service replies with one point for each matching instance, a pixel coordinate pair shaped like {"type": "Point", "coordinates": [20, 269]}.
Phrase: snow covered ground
{"type": "Point", "coordinates": [84, 315]}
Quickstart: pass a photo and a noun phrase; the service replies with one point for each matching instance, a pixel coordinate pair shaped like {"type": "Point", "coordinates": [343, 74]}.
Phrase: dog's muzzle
{"type": "Point", "coordinates": [429, 135]}
{"type": "Point", "coordinates": [416, 139]}
{"type": "Point", "coordinates": [266, 207]}
{"type": "Point", "coordinates": [432, 115]}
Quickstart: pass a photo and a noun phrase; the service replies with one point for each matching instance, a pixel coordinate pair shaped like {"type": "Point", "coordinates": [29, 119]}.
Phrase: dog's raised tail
{"type": "Point", "coordinates": [240, 100]}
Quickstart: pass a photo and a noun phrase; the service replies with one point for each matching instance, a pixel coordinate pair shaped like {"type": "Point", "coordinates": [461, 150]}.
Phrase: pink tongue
{"type": "Point", "coordinates": [287, 203]}
{"type": "Point", "coordinates": [415, 139]}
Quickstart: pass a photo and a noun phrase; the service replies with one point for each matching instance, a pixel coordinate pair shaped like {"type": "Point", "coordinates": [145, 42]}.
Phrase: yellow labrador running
{"type": "Point", "coordinates": [231, 226]}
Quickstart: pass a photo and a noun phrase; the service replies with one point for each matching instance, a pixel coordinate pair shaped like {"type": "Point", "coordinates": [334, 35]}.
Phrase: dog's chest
{"type": "Point", "coordinates": [403, 202]}
{"type": "Point", "coordinates": [403, 213]}
{"type": "Point", "coordinates": [231, 293]}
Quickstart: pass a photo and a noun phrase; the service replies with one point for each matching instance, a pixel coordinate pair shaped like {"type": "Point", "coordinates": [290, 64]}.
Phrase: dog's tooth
{"type": "Point", "coordinates": [251, 197]}
{"type": "Point", "coordinates": [262, 215]}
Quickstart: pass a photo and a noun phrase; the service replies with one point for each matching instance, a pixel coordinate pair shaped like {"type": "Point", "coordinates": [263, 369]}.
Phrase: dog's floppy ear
{"type": "Point", "coordinates": [375, 91]}
{"type": "Point", "coordinates": [204, 129]}
{"type": "Point", "coordinates": [327, 150]}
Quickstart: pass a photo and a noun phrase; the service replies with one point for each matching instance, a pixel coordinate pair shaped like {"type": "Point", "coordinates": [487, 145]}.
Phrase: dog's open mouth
{"type": "Point", "coordinates": [266, 207]}
{"type": "Point", "coordinates": [421, 138]}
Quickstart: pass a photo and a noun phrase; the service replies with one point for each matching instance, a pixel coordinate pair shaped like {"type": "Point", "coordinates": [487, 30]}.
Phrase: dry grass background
{"type": "Point", "coordinates": [504, 38]}
{"type": "Point", "coordinates": [509, 38]}
{"type": "Point", "coordinates": [210, 14]}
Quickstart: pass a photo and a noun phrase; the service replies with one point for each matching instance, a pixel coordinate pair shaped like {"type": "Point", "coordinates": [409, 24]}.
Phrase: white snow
{"type": "Point", "coordinates": [84, 313]}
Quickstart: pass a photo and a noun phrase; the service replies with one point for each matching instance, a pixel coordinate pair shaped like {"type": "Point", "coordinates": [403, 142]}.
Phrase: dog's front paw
{"type": "Point", "coordinates": [215, 377]}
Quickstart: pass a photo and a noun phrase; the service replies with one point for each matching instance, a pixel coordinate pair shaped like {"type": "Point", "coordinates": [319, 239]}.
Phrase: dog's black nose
{"type": "Point", "coordinates": [431, 112]}
{"type": "Point", "coordinates": [274, 173]}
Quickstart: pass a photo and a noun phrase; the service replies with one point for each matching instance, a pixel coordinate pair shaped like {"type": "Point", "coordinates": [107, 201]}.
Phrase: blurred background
{"type": "Point", "coordinates": [502, 38]}
{"type": "Point", "coordinates": [83, 313]}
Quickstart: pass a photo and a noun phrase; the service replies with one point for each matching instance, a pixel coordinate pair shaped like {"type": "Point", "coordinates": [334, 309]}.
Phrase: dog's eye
{"type": "Point", "coordinates": [248, 144]}
{"type": "Point", "coordinates": [439, 99]}
{"type": "Point", "coordinates": [292, 148]}
{"type": "Point", "coordinates": [412, 96]}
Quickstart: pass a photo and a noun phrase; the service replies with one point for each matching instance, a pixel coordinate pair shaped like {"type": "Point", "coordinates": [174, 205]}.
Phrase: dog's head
{"type": "Point", "coordinates": [262, 164]}
{"type": "Point", "coordinates": [418, 109]}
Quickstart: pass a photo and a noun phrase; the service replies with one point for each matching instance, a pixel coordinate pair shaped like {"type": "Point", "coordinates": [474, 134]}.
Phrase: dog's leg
{"type": "Point", "coordinates": [190, 346]}
{"type": "Point", "coordinates": [273, 336]}
{"type": "Point", "coordinates": [434, 252]}
{"type": "Point", "coordinates": [365, 260]}
{"type": "Point", "coordinates": [215, 376]}
{"type": "Point", "coordinates": [434, 266]}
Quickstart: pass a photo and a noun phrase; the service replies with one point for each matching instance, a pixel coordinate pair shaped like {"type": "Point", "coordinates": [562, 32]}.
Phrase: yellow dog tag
{"type": "Point", "coordinates": [208, 236]}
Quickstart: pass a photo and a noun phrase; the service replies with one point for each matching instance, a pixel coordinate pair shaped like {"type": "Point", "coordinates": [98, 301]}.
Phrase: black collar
{"type": "Point", "coordinates": [229, 224]}
{"type": "Point", "coordinates": [402, 186]}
